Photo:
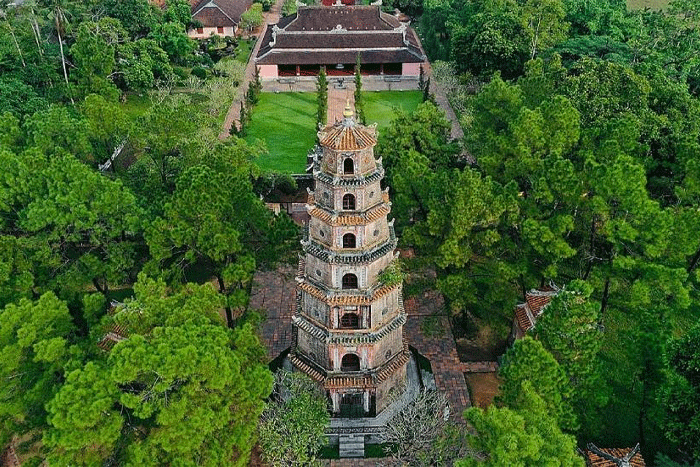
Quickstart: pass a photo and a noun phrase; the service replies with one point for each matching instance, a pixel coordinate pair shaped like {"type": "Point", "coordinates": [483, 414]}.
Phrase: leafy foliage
{"type": "Point", "coordinates": [292, 426]}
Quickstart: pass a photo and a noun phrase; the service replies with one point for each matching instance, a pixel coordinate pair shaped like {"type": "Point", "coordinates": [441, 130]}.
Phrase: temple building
{"type": "Point", "coordinates": [612, 457]}
{"type": "Point", "coordinates": [332, 37]}
{"type": "Point", "coordinates": [348, 325]}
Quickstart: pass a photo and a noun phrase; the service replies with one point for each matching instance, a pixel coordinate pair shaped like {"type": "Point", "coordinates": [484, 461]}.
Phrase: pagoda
{"type": "Point", "coordinates": [348, 325]}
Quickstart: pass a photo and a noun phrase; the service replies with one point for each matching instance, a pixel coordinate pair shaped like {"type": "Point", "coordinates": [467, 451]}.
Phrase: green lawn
{"type": "Point", "coordinates": [286, 122]}
{"type": "Point", "coordinates": [380, 106]}
{"type": "Point", "coordinates": [243, 50]}
{"type": "Point", "coordinates": [653, 4]}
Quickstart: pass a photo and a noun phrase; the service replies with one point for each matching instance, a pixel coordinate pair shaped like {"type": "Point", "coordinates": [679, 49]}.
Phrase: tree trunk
{"type": "Point", "coordinates": [227, 308]}
{"type": "Point", "coordinates": [103, 290]}
{"type": "Point", "coordinates": [14, 38]}
{"type": "Point", "coordinates": [694, 262]}
{"type": "Point", "coordinates": [604, 301]}
{"type": "Point", "coordinates": [591, 248]}
{"type": "Point", "coordinates": [63, 57]}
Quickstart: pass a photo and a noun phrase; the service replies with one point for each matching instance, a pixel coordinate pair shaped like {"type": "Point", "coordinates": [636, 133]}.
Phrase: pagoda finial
{"type": "Point", "coordinates": [348, 113]}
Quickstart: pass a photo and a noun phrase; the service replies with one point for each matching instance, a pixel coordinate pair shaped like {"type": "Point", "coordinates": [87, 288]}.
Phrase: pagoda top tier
{"type": "Point", "coordinates": [348, 146]}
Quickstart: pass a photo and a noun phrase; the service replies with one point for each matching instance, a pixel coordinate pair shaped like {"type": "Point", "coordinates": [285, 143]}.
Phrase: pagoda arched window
{"type": "Point", "coordinates": [349, 240]}
{"type": "Point", "coordinates": [350, 362]}
{"type": "Point", "coordinates": [348, 166]}
{"type": "Point", "coordinates": [350, 321]}
{"type": "Point", "coordinates": [349, 202]}
{"type": "Point", "coordinates": [349, 281]}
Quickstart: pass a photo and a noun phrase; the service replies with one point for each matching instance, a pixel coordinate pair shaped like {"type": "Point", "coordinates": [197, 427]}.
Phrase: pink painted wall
{"type": "Point", "coordinates": [410, 69]}
{"type": "Point", "coordinates": [206, 32]}
{"type": "Point", "coordinates": [268, 71]}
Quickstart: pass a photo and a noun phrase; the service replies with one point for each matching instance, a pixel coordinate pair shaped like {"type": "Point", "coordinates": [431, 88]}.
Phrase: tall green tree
{"type": "Point", "coordinates": [37, 348]}
{"type": "Point", "coordinates": [182, 388]}
{"type": "Point", "coordinates": [293, 424]}
{"type": "Point", "coordinates": [526, 437]}
{"type": "Point", "coordinates": [528, 360]}
{"type": "Point", "coordinates": [321, 98]}
{"type": "Point", "coordinates": [215, 219]}
{"type": "Point", "coordinates": [681, 395]}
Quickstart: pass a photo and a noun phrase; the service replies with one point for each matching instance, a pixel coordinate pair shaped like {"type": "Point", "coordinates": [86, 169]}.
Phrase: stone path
{"type": "Point", "coordinates": [274, 292]}
{"type": "Point", "coordinates": [439, 349]}
{"type": "Point", "coordinates": [337, 98]}
{"type": "Point", "coordinates": [234, 112]}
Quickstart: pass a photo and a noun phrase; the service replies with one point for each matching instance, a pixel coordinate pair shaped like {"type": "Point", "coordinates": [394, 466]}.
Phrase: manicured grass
{"type": "Point", "coordinates": [653, 4]}
{"type": "Point", "coordinates": [243, 50]}
{"type": "Point", "coordinates": [286, 122]}
{"type": "Point", "coordinates": [380, 106]}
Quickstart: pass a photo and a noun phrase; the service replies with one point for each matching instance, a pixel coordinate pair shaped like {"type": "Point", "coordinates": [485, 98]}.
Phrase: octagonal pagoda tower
{"type": "Point", "coordinates": [348, 327]}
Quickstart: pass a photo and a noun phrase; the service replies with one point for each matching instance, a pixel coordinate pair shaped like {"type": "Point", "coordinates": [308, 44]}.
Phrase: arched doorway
{"type": "Point", "coordinates": [349, 240]}
{"type": "Point", "coordinates": [349, 202]}
{"type": "Point", "coordinates": [348, 166]}
{"type": "Point", "coordinates": [349, 281]}
{"type": "Point", "coordinates": [350, 362]}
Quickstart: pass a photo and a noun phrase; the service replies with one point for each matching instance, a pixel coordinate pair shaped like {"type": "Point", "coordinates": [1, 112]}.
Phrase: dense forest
{"type": "Point", "coordinates": [579, 169]}
{"type": "Point", "coordinates": [114, 184]}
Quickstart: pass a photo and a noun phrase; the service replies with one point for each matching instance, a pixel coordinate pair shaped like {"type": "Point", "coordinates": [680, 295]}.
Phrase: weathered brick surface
{"type": "Point", "coordinates": [440, 350]}
{"type": "Point", "coordinates": [274, 293]}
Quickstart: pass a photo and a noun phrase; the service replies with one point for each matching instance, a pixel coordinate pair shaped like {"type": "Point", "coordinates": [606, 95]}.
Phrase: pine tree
{"type": "Point", "coordinates": [359, 106]}
{"type": "Point", "coordinates": [322, 97]}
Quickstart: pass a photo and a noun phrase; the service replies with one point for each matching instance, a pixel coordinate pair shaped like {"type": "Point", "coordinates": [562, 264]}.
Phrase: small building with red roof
{"type": "Point", "coordinates": [526, 314]}
{"type": "Point", "coordinates": [612, 457]}
{"type": "Point", "coordinates": [217, 17]}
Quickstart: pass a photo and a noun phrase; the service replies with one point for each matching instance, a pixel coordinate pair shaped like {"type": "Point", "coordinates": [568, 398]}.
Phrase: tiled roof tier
{"type": "Point", "coordinates": [354, 181]}
{"type": "Point", "coordinates": [328, 217]}
{"type": "Point", "coordinates": [613, 457]}
{"type": "Point", "coordinates": [307, 368]}
{"type": "Point", "coordinates": [324, 254]}
{"type": "Point", "coordinates": [330, 56]}
{"type": "Point", "coordinates": [346, 136]}
{"type": "Point", "coordinates": [392, 365]}
{"type": "Point", "coordinates": [359, 18]}
{"type": "Point", "coordinates": [346, 338]}
{"type": "Point", "coordinates": [332, 298]}
{"type": "Point", "coordinates": [536, 300]}
{"type": "Point", "coordinates": [115, 335]}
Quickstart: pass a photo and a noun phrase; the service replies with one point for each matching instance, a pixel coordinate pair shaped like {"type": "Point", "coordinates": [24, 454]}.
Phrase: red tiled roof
{"type": "Point", "coordinates": [536, 300]}
{"type": "Point", "coordinates": [214, 13]}
{"type": "Point", "coordinates": [342, 137]}
{"type": "Point", "coordinates": [337, 34]}
{"type": "Point", "coordinates": [612, 457]}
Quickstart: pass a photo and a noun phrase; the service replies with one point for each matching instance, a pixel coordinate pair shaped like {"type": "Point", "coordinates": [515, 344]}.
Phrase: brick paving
{"type": "Point", "coordinates": [274, 293]}
{"type": "Point", "coordinates": [440, 350]}
{"type": "Point", "coordinates": [337, 98]}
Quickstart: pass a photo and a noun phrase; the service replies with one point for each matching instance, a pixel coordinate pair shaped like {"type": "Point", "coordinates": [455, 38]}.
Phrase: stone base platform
{"type": "Point", "coordinates": [369, 428]}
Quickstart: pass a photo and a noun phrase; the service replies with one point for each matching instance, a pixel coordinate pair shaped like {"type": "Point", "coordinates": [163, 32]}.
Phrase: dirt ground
{"type": "Point", "coordinates": [483, 387]}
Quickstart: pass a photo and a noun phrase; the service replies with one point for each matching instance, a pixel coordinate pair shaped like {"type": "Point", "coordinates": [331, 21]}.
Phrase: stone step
{"type": "Point", "coordinates": [352, 446]}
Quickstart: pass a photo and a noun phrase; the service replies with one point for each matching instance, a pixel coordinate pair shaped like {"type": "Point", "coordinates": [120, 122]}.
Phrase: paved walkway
{"type": "Point", "coordinates": [337, 98]}
{"type": "Point", "coordinates": [233, 117]}
{"type": "Point", "coordinates": [440, 349]}
{"type": "Point", "coordinates": [274, 293]}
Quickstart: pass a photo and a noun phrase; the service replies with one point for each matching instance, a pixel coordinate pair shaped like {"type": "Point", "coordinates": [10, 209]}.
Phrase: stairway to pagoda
{"type": "Point", "coordinates": [352, 445]}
